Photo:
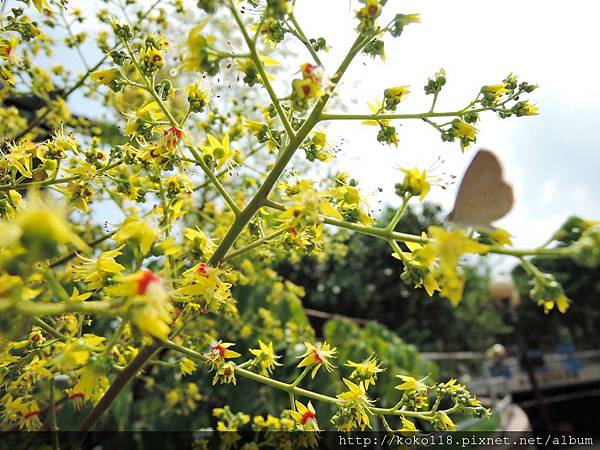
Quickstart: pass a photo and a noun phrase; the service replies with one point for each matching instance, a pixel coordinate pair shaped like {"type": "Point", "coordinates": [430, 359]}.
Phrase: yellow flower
{"type": "Point", "coordinates": [306, 88]}
{"type": "Point", "coordinates": [306, 422]}
{"type": "Point", "coordinates": [356, 399]}
{"type": "Point", "coordinates": [18, 157]}
{"type": "Point", "coordinates": [152, 59]}
{"type": "Point", "coordinates": [105, 76]}
{"type": "Point", "coordinates": [495, 90]}
{"type": "Point", "coordinates": [453, 285]}
{"type": "Point", "coordinates": [466, 132]}
{"type": "Point", "coordinates": [408, 428]}
{"type": "Point", "coordinates": [201, 53]}
{"type": "Point", "coordinates": [371, 9]}
{"type": "Point", "coordinates": [186, 366]}
{"type": "Point", "coordinates": [91, 385]}
{"type": "Point", "coordinates": [219, 352]}
{"type": "Point", "coordinates": [95, 271]}
{"type": "Point", "coordinates": [206, 283]}
{"type": "Point", "coordinates": [198, 97]}
{"type": "Point", "coordinates": [266, 358]}
{"type": "Point", "coordinates": [415, 183]}
{"type": "Point", "coordinates": [418, 265]}
{"type": "Point", "coordinates": [464, 129]}
{"type": "Point", "coordinates": [393, 96]}
{"type": "Point", "coordinates": [151, 310]}
{"type": "Point", "coordinates": [7, 76]}
{"type": "Point", "coordinates": [39, 228]}
{"type": "Point", "coordinates": [410, 384]}
{"type": "Point", "coordinates": [40, 5]}
{"type": "Point", "coordinates": [216, 153]}
{"type": "Point", "coordinates": [305, 416]}
{"type": "Point", "coordinates": [451, 245]}
{"type": "Point", "coordinates": [406, 19]}
{"type": "Point", "coordinates": [36, 337]}
{"type": "Point", "coordinates": [172, 136]}
{"type": "Point", "coordinates": [225, 374]}
{"type": "Point", "coordinates": [561, 302]}
{"type": "Point", "coordinates": [76, 352]}
{"type": "Point", "coordinates": [317, 356]}
{"type": "Point", "coordinates": [397, 91]}
{"type": "Point", "coordinates": [256, 127]}
{"type": "Point", "coordinates": [525, 109]}
{"type": "Point", "coordinates": [366, 371]}
{"type": "Point", "coordinates": [444, 421]}
{"type": "Point", "coordinates": [134, 228]}
{"type": "Point", "coordinates": [7, 49]}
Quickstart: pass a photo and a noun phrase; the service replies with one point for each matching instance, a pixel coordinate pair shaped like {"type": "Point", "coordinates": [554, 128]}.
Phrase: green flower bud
{"type": "Point", "coordinates": [586, 251]}
{"type": "Point", "coordinates": [123, 31]}
{"type": "Point", "coordinates": [210, 6]}
{"type": "Point", "coordinates": [118, 57]}
{"type": "Point", "coordinates": [572, 229]}
{"type": "Point", "coordinates": [164, 89]}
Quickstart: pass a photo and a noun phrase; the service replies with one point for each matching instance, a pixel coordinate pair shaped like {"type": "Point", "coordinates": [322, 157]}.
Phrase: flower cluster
{"type": "Point", "coordinates": [158, 218]}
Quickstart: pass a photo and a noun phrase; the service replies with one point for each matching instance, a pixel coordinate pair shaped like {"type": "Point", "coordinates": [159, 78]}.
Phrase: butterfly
{"type": "Point", "coordinates": [483, 195]}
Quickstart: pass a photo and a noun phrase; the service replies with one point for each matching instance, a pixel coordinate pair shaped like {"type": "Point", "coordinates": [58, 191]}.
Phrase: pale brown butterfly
{"type": "Point", "coordinates": [483, 195]}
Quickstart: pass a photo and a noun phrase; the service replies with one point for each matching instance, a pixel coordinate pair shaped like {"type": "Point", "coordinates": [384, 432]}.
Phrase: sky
{"type": "Point", "coordinates": [552, 160]}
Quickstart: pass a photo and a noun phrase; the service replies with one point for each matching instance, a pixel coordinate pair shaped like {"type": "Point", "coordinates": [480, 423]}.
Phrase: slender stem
{"type": "Point", "coordinates": [301, 376]}
{"type": "Point", "coordinates": [53, 309]}
{"type": "Point", "coordinates": [423, 115]}
{"type": "Point", "coordinates": [50, 182]}
{"type": "Point", "coordinates": [53, 421]}
{"type": "Point", "coordinates": [302, 37]}
{"type": "Point", "coordinates": [398, 214]}
{"type": "Point", "coordinates": [49, 329]}
{"type": "Point", "coordinates": [292, 387]}
{"type": "Point", "coordinates": [375, 231]}
{"type": "Point", "coordinates": [404, 237]}
{"type": "Point", "coordinates": [215, 181]}
{"type": "Point", "coordinates": [253, 245]}
{"type": "Point", "coordinates": [140, 360]}
{"type": "Point", "coordinates": [116, 336]}
{"type": "Point", "coordinates": [70, 256]}
{"type": "Point", "coordinates": [397, 250]}
{"type": "Point", "coordinates": [261, 70]}
{"type": "Point", "coordinates": [74, 39]}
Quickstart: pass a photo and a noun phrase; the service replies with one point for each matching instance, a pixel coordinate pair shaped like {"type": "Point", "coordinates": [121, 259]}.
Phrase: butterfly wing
{"type": "Point", "coordinates": [483, 195]}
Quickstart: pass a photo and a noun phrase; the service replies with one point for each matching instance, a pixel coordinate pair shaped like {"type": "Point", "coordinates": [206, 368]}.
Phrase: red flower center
{"type": "Point", "coordinates": [30, 414]}
{"type": "Point", "coordinates": [306, 90]}
{"type": "Point", "coordinates": [177, 133]}
{"type": "Point", "coordinates": [308, 415]}
{"type": "Point", "coordinates": [147, 277]}
{"type": "Point", "coordinates": [219, 349]}
{"type": "Point", "coordinates": [315, 354]}
{"type": "Point", "coordinates": [308, 68]}
{"type": "Point", "coordinates": [202, 269]}
{"type": "Point", "coordinates": [35, 337]}
{"type": "Point", "coordinates": [76, 395]}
